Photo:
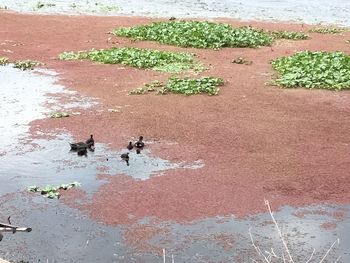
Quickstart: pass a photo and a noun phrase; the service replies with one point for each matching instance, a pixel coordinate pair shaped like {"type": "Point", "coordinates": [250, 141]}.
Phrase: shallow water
{"type": "Point", "coordinates": [62, 234]}
{"type": "Point", "coordinates": [311, 11]}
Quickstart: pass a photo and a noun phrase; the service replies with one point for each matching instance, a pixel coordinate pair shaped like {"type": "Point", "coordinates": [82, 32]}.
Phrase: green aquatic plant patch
{"type": "Point", "coordinates": [290, 35]}
{"type": "Point", "coordinates": [167, 61]}
{"type": "Point", "coordinates": [4, 61]}
{"type": "Point", "coordinates": [328, 30]}
{"type": "Point", "coordinates": [186, 86]}
{"type": "Point", "coordinates": [52, 192]}
{"type": "Point", "coordinates": [26, 64]}
{"type": "Point", "coordinates": [198, 34]}
{"type": "Point", "coordinates": [321, 70]}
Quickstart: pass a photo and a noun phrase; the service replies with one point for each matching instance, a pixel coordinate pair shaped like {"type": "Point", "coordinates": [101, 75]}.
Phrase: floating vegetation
{"type": "Point", "coordinates": [198, 34]}
{"type": "Point", "coordinates": [26, 64]}
{"type": "Point", "coordinates": [322, 70]}
{"type": "Point", "coordinates": [242, 61]}
{"type": "Point", "coordinates": [51, 191]}
{"type": "Point", "coordinates": [328, 30]}
{"type": "Point", "coordinates": [41, 4]}
{"type": "Point", "coordinates": [59, 114]}
{"type": "Point", "coordinates": [173, 62]}
{"type": "Point", "coordinates": [187, 86]}
{"type": "Point", "coordinates": [289, 35]}
{"type": "Point", "coordinates": [4, 61]}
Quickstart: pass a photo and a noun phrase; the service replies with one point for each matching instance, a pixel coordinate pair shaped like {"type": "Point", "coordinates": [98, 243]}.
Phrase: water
{"type": "Point", "coordinates": [311, 11]}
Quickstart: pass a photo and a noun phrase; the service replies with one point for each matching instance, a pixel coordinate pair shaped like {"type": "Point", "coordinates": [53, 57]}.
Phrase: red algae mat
{"type": "Point", "coordinates": [256, 141]}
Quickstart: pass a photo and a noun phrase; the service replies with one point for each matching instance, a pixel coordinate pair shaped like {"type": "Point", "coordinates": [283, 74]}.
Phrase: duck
{"type": "Point", "coordinates": [130, 146]}
{"type": "Point", "coordinates": [125, 157]}
{"type": "Point", "coordinates": [90, 141]}
{"type": "Point", "coordinates": [139, 144]}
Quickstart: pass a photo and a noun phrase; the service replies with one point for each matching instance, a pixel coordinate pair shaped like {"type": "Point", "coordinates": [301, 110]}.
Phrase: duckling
{"type": "Point", "coordinates": [125, 157]}
{"type": "Point", "coordinates": [130, 146]}
{"type": "Point", "coordinates": [90, 141]}
{"type": "Point", "coordinates": [140, 144]}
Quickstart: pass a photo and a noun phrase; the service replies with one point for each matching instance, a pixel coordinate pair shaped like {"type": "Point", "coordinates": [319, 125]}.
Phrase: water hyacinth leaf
{"type": "Point", "coordinates": [321, 69]}
{"type": "Point", "coordinates": [198, 34]}
{"type": "Point", "coordinates": [173, 62]}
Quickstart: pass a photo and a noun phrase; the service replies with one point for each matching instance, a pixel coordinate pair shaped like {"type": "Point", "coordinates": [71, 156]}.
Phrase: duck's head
{"type": "Point", "coordinates": [141, 138]}
{"type": "Point", "coordinates": [130, 143]}
{"type": "Point", "coordinates": [91, 136]}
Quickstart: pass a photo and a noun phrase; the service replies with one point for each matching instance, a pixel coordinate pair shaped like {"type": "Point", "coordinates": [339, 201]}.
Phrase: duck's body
{"type": "Point", "coordinates": [125, 157]}
{"type": "Point", "coordinates": [82, 151]}
{"type": "Point", "coordinates": [139, 145]}
{"type": "Point", "coordinates": [76, 146]}
{"type": "Point", "coordinates": [90, 141]}
{"type": "Point", "coordinates": [130, 146]}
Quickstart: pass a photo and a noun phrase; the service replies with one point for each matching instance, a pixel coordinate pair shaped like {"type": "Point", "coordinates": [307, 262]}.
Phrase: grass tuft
{"type": "Point", "coordinates": [321, 70]}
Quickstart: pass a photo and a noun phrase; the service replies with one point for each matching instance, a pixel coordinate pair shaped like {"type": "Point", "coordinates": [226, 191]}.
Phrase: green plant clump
{"type": "Point", "coordinates": [4, 61]}
{"type": "Point", "coordinates": [59, 114]}
{"type": "Point", "coordinates": [187, 86]}
{"type": "Point", "coordinates": [173, 62]}
{"type": "Point", "coordinates": [198, 34]}
{"type": "Point", "coordinates": [52, 191]}
{"type": "Point", "coordinates": [322, 70]}
{"type": "Point", "coordinates": [328, 30]}
{"type": "Point", "coordinates": [26, 64]}
{"type": "Point", "coordinates": [289, 35]}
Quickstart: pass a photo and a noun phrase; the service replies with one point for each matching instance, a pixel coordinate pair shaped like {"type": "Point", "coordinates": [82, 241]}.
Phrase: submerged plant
{"type": "Point", "coordinates": [141, 58]}
{"type": "Point", "coordinates": [198, 34]}
{"type": "Point", "coordinates": [26, 64]}
{"type": "Point", "coordinates": [323, 70]}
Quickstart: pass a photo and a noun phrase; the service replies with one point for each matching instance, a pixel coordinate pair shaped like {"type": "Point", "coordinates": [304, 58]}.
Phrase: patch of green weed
{"type": "Point", "coordinates": [173, 62]}
{"type": "Point", "coordinates": [198, 34]}
{"type": "Point", "coordinates": [4, 61]}
{"type": "Point", "coordinates": [289, 35]}
{"type": "Point", "coordinates": [186, 86]}
{"type": "Point", "coordinates": [327, 30]}
{"type": "Point", "coordinates": [26, 64]}
{"type": "Point", "coordinates": [322, 70]}
{"type": "Point", "coordinates": [52, 191]}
